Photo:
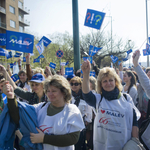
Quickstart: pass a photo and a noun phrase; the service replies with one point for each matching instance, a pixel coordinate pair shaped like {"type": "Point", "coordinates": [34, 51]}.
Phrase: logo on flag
{"type": "Point", "coordinates": [92, 73]}
{"type": "Point", "coordinates": [93, 50]}
{"type": "Point", "coordinates": [114, 58]}
{"type": "Point", "coordinates": [36, 60]}
{"type": "Point", "coordinates": [2, 39]}
{"type": "Point", "coordinates": [19, 41]}
{"type": "Point", "coordinates": [69, 71]}
{"type": "Point", "coordinates": [46, 41]}
{"type": "Point", "coordinates": [40, 47]}
{"type": "Point", "coordinates": [15, 77]}
{"type": "Point", "coordinates": [52, 65]}
{"type": "Point", "coordinates": [88, 58]}
{"type": "Point", "coordinates": [41, 56]}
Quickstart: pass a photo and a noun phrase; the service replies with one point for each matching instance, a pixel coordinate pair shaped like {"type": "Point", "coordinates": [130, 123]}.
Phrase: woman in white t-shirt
{"type": "Point", "coordinates": [130, 85]}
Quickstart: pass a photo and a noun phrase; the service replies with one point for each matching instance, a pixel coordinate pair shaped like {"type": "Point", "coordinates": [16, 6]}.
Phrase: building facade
{"type": "Point", "coordinates": [12, 14]}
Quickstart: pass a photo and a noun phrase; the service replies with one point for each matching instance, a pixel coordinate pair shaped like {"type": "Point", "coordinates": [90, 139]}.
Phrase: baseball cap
{"type": "Point", "coordinates": [37, 78]}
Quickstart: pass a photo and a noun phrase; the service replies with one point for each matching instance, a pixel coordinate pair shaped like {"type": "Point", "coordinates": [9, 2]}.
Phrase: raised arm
{"type": "Point", "coordinates": [28, 68]}
{"type": "Point", "coordinates": [86, 67]}
{"type": "Point", "coordinates": [143, 78]}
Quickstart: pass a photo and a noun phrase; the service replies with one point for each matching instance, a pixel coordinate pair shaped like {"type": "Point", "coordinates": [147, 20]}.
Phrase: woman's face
{"type": "Point", "coordinates": [55, 96]}
{"type": "Point", "coordinates": [75, 86]}
{"type": "Point", "coordinates": [126, 78]}
{"type": "Point", "coordinates": [37, 87]}
{"type": "Point", "coordinates": [23, 77]}
{"type": "Point", "coordinates": [108, 83]}
{"type": "Point", "coordinates": [91, 86]}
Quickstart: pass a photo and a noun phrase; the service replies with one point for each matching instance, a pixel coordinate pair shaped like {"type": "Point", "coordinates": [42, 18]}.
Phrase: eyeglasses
{"type": "Point", "coordinates": [75, 84]}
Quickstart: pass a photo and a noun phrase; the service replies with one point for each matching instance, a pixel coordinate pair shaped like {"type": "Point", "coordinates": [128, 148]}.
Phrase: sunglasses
{"type": "Point", "coordinates": [75, 84]}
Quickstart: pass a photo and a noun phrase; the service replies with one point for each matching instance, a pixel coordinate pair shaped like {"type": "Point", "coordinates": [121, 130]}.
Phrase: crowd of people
{"type": "Point", "coordinates": [52, 111]}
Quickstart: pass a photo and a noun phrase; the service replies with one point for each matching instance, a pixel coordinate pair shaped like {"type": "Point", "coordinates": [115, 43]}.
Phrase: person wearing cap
{"type": "Point", "coordinates": [59, 121]}
{"type": "Point", "coordinates": [36, 84]}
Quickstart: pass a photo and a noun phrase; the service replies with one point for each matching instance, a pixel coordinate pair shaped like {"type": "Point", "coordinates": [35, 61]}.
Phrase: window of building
{"type": "Point", "coordinates": [20, 4]}
{"type": "Point", "coordinates": [12, 24]}
{"type": "Point", "coordinates": [20, 29]}
{"type": "Point", "coordinates": [12, 9]}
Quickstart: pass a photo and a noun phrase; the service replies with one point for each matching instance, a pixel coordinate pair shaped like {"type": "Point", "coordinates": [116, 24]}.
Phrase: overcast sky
{"type": "Point", "coordinates": [129, 17]}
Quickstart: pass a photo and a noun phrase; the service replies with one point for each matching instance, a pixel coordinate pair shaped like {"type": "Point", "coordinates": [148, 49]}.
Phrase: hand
{"type": "Point", "coordinates": [120, 67]}
{"type": "Point", "coordinates": [136, 56]}
{"type": "Point", "coordinates": [8, 90]}
{"type": "Point", "coordinates": [37, 137]}
{"type": "Point", "coordinates": [93, 62]}
{"type": "Point", "coordinates": [79, 70]}
{"type": "Point", "coordinates": [47, 71]}
{"type": "Point", "coordinates": [19, 62]}
{"type": "Point", "coordinates": [86, 67]}
{"type": "Point", "coordinates": [28, 58]}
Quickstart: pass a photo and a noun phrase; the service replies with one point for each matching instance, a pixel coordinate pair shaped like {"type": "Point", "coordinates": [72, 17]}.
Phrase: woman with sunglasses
{"type": "Point", "coordinates": [116, 118]}
{"type": "Point", "coordinates": [85, 109]}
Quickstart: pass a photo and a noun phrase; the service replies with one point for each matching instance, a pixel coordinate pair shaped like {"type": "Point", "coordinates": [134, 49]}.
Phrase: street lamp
{"type": "Point", "coordinates": [147, 32]}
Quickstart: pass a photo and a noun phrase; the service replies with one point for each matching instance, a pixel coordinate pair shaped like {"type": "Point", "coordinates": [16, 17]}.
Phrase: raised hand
{"type": "Point", "coordinates": [28, 58]}
{"type": "Point", "coordinates": [3, 70]}
{"type": "Point", "coordinates": [86, 67]}
{"type": "Point", "coordinates": [136, 56]}
{"type": "Point", "coordinates": [8, 90]}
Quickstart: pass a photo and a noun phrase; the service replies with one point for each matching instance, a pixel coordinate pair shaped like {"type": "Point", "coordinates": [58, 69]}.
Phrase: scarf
{"type": "Point", "coordinates": [77, 97]}
{"type": "Point", "coordinates": [111, 95]}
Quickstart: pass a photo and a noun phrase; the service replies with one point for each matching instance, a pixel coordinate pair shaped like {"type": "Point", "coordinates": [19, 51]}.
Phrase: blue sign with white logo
{"type": "Point", "coordinates": [40, 47]}
{"type": "Point", "coordinates": [2, 39]}
{"type": "Point", "coordinates": [36, 60]}
{"type": "Point", "coordinates": [52, 65]}
{"type": "Point", "coordinates": [93, 50]}
{"type": "Point", "coordinates": [19, 41]}
{"type": "Point", "coordinates": [4, 98]}
{"type": "Point", "coordinates": [46, 41]}
{"type": "Point", "coordinates": [145, 53]}
{"type": "Point", "coordinates": [88, 58]}
{"type": "Point", "coordinates": [94, 19]}
{"type": "Point", "coordinates": [69, 71]}
{"type": "Point", "coordinates": [15, 77]}
{"type": "Point", "coordinates": [59, 53]}
{"type": "Point", "coordinates": [92, 73]}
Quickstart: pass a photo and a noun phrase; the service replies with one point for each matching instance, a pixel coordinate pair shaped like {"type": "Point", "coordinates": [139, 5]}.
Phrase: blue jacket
{"type": "Point", "coordinates": [27, 123]}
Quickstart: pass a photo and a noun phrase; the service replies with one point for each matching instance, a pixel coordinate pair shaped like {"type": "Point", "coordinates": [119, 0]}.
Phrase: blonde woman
{"type": "Point", "coordinates": [116, 121]}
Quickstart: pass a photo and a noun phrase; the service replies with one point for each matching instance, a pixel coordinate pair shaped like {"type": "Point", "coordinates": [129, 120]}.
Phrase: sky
{"type": "Point", "coordinates": [128, 18]}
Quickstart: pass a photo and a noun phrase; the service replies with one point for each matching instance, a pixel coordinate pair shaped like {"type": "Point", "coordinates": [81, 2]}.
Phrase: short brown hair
{"type": "Point", "coordinates": [61, 83]}
{"type": "Point", "coordinates": [77, 79]}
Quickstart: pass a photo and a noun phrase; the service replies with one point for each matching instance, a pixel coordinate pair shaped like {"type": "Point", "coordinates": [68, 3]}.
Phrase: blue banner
{"type": "Point", "coordinates": [92, 73]}
{"type": "Point", "coordinates": [52, 65]}
{"type": "Point", "coordinates": [114, 58]}
{"type": "Point", "coordinates": [2, 39]}
{"type": "Point", "coordinates": [148, 48]}
{"type": "Point", "coordinates": [17, 54]}
{"type": "Point", "coordinates": [46, 41]}
{"type": "Point", "coordinates": [145, 53]}
{"type": "Point", "coordinates": [15, 77]}
{"type": "Point", "coordinates": [69, 71]}
{"type": "Point", "coordinates": [94, 19]}
{"type": "Point", "coordinates": [36, 60]}
{"type": "Point", "coordinates": [93, 50]}
{"type": "Point", "coordinates": [40, 47]}
{"type": "Point", "coordinates": [24, 59]}
{"type": "Point", "coordinates": [19, 41]}
{"type": "Point", "coordinates": [88, 58]}
{"type": "Point", "coordinates": [41, 56]}
{"type": "Point", "coordinates": [129, 51]}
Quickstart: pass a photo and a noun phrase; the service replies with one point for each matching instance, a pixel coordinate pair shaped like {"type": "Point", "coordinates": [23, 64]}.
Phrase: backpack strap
{"type": "Point", "coordinates": [44, 104]}
{"type": "Point", "coordinates": [125, 96]}
{"type": "Point", "coordinates": [100, 101]}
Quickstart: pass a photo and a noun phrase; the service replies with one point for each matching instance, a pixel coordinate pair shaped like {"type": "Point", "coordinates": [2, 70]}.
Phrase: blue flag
{"type": "Point", "coordinates": [4, 98]}
{"type": "Point", "coordinates": [93, 50]}
{"type": "Point", "coordinates": [46, 41]}
{"type": "Point", "coordinates": [40, 47]}
{"type": "Point", "coordinates": [11, 65]}
{"type": "Point", "coordinates": [41, 56]}
{"type": "Point", "coordinates": [24, 59]}
{"type": "Point", "coordinates": [67, 63]}
{"type": "Point", "coordinates": [19, 41]}
{"type": "Point", "coordinates": [114, 58]}
{"type": "Point", "coordinates": [129, 51]}
{"type": "Point", "coordinates": [94, 19]}
{"type": "Point", "coordinates": [92, 73]}
{"type": "Point", "coordinates": [9, 55]}
{"type": "Point", "coordinates": [88, 58]}
{"type": "Point", "coordinates": [36, 60]}
{"type": "Point", "coordinates": [2, 39]}
{"type": "Point", "coordinates": [15, 77]}
{"type": "Point", "coordinates": [3, 52]}
{"type": "Point", "coordinates": [52, 65]}
{"type": "Point", "coordinates": [17, 54]}
{"type": "Point", "coordinates": [145, 52]}
{"type": "Point", "coordinates": [119, 63]}
{"type": "Point", "coordinates": [69, 71]}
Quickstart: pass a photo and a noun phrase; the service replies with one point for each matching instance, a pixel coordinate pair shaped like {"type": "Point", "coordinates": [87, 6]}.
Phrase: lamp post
{"type": "Point", "coordinates": [147, 31]}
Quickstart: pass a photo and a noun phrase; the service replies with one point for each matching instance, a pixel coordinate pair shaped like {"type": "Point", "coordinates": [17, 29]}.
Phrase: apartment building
{"type": "Point", "coordinates": [12, 14]}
